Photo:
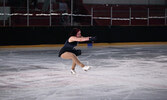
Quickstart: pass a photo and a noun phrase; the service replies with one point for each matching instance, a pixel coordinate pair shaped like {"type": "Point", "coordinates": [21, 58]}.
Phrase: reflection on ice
{"type": "Point", "coordinates": [118, 73]}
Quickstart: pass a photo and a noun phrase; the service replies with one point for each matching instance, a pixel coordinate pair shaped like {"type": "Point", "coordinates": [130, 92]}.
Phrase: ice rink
{"type": "Point", "coordinates": [129, 72]}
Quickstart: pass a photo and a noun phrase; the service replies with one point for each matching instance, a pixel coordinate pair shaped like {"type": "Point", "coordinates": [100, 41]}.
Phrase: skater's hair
{"type": "Point", "coordinates": [74, 31]}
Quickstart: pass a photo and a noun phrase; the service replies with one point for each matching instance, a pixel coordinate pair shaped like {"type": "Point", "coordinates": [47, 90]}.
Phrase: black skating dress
{"type": "Point", "coordinates": [69, 47]}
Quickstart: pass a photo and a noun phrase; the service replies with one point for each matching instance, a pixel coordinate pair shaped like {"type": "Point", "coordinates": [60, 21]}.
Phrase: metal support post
{"type": "Point", "coordinates": [165, 15]}
{"type": "Point", "coordinates": [71, 12]}
{"type": "Point", "coordinates": [111, 16]}
{"type": "Point", "coordinates": [28, 13]}
{"type": "Point", "coordinates": [4, 14]}
{"type": "Point", "coordinates": [130, 13]}
{"type": "Point", "coordinates": [148, 15]}
{"type": "Point", "coordinates": [50, 10]}
{"type": "Point", "coordinates": [91, 16]}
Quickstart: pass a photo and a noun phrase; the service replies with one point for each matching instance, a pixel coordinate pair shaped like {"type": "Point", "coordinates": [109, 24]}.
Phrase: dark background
{"type": "Point", "coordinates": [59, 34]}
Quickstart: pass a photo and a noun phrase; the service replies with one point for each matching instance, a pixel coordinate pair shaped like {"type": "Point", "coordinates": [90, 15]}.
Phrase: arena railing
{"type": "Point", "coordinates": [72, 18]}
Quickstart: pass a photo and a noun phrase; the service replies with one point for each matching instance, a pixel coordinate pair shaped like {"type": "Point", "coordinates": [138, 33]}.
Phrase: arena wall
{"type": "Point", "coordinates": [126, 2]}
{"type": "Point", "coordinates": [58, 35]}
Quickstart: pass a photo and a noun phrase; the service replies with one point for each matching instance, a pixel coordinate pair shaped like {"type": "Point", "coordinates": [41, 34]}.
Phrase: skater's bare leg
{"type": "Point", "coordinates": [73, 66]}
{"type": "Point", "coordinates": [69, 55]}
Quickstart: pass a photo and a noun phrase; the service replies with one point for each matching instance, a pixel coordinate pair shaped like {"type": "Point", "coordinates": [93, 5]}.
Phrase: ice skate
{"type": "Point", "coordinates": [73, 72]}
{"type": "Point", "coordinates": [86, 68]}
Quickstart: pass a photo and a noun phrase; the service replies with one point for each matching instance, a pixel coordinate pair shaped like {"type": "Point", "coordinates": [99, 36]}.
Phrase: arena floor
{"type": "Point", "coordinates": [119, 72]}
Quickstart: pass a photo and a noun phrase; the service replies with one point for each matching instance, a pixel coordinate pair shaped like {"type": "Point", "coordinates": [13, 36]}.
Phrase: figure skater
{"type": "Point", "coordinates": [69, 52]}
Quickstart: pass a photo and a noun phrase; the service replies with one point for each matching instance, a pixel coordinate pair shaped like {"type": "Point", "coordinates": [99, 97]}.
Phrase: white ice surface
{"type": "Point", "coordinates": [118, 73]}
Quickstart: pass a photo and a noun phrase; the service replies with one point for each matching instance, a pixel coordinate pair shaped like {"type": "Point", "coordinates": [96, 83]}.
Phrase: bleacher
{"type": "Point", "coordinates": [123, 11]}
{"type": "Point", "coordinates": [101, 14]}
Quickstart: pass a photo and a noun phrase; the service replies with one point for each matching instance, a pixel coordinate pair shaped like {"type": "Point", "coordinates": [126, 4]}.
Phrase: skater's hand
{"type": "Point", "coordinates": [92, 38]}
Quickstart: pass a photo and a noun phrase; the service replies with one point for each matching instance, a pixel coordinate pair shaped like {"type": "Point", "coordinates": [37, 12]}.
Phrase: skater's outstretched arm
{"type": "Point", "coordinates": [78, 39]}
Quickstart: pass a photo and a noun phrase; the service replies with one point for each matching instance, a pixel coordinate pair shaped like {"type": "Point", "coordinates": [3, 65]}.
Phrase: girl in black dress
{"type": "Point", "coordinates": [69, 52]}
